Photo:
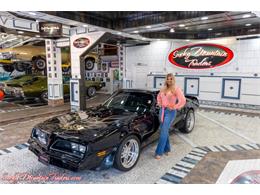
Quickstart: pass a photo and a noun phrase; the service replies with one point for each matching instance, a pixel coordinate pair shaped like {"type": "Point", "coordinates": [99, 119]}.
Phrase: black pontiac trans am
{"type": "Point", "coordinates": [111, 134]}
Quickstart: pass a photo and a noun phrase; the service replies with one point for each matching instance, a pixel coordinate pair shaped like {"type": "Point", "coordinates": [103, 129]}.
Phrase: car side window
{"type": "Point", "coordinates": [138, 101]}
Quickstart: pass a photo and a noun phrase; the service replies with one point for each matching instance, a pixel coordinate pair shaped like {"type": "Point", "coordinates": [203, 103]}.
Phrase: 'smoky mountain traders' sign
{"type": "Point", "coordinates": [201, 56]}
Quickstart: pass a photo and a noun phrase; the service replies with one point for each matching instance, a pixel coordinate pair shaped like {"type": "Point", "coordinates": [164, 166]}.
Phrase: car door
{"type": "Point", "coordinates": [141, 103]}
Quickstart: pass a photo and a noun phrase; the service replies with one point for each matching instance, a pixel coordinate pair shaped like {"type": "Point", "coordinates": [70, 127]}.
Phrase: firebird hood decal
{"type": "Point", "coordinates": [94, 125]}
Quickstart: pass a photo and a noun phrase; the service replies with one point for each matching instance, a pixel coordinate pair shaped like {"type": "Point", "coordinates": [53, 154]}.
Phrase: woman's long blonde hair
{"type": "Point", "coordinates": [171, 87]}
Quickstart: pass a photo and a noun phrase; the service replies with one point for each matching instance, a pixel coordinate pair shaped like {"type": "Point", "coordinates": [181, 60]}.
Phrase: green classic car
{"type": "Point", "coordinates": [28, 86]}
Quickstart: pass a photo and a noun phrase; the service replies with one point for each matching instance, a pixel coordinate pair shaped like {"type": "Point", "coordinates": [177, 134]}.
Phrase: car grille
{"type": "Point", "coordinates": [64, 146]}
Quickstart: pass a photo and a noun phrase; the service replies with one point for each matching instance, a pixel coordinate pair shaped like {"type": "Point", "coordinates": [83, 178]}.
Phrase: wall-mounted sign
{"type": "Point", "coordinates": [50, 29]}
{"type": "Point", "coordinates": [201, 56]}
{"type": "Point", "coordinates": [81, 42]}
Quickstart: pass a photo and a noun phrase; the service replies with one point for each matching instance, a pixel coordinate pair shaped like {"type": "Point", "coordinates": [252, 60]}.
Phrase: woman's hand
{"type": "Point", "coordinates": [172, 107]}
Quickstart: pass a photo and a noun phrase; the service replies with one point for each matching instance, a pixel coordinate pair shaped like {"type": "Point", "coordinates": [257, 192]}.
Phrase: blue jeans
{"type": "Point", "coordinates": [164, 143]}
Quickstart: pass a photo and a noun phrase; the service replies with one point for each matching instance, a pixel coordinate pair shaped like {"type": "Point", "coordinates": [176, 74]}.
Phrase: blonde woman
{"type": "Point", "coordinates": [167, 100]}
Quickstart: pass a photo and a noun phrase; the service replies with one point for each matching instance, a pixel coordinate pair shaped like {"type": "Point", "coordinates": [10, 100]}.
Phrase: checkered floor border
{"type": "Point", "coordinates": [249, 115]}
{"type": "Point", "coordinates": [14, 148]}
{"type": "Point", "coordinates": [182, 168]}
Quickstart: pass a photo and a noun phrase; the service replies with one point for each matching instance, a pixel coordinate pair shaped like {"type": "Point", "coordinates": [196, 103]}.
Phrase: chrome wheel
{"type": "Point", "coordinates": [91, 91]}
{"type": "Point", "coordinates": [40, 64]}
{"type": "Point", "coordinates": [89, 64]}
{"type": "Point", "coordinates": [190, 121]}
{"type": "Point", "coordinates": [130, 153]}
{"type": "Point", "coordinates": [44, 97]}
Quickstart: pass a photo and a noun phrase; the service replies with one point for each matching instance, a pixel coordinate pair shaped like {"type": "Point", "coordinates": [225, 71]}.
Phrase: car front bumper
{"type": "Point", "coordinates": [62, 159]}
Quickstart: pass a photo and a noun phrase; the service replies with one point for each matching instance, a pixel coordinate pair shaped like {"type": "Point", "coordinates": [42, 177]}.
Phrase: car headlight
{"type": "Point", "coordinates": [18, 92]}
{"type": "Point", "coordinates": [78, 148]}
{"type": "Point", "coordinates": [40, 135]}
{"type": "Point", "coordinates": [6, 55]}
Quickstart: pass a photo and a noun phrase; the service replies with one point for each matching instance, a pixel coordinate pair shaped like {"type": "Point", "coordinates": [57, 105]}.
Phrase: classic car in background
{"type": "Point", "coordinates": [33, 53]}
{"type": "Point", "coordinates": [110, 134]}
{"type": "Point", "coordinates": [28, 86]}
{"type": "Point", "coordinates": [4, 76]}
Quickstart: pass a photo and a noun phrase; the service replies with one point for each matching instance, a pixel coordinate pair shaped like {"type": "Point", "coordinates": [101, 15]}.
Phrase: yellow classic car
{"type": "Point", "coordinates": [32, 53]}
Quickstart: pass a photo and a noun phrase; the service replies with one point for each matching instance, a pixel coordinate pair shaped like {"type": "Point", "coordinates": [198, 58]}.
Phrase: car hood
{"type": "Point", "coordinates": [87, 126]}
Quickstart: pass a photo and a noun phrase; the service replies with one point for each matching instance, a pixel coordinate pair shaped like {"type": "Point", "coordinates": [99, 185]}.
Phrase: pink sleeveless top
{"type": "Point", "coordinates": [169, 99]}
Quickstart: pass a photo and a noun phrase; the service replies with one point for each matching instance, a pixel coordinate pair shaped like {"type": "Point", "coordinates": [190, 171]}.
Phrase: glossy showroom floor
{"type": "Point", "coordinates": [219, 140]}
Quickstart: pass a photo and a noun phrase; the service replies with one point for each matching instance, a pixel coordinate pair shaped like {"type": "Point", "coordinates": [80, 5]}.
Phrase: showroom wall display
{"type": "Point", "coordinates": [54, 74]}
{"type": "Point", "coordinates": [232, 84]}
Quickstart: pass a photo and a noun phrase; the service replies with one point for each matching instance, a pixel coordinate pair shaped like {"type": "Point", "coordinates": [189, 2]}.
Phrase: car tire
{"type": "Point", "coordinates": [8, 68]}
{"type": "Point", "coordinates": [89, 63]}
{"type": "Point", "coordinates": [39, 63]}
{"type": "Point", "coordinates": [19, 67]}
{"type": "Point", "coordinates": [187, 125]}
{"type": "Point", "coordinates": [91, 91]}
{"type": "Point", "coordinates": [129, 144]}
{"type": "Point", "coordinates": [44, 97]}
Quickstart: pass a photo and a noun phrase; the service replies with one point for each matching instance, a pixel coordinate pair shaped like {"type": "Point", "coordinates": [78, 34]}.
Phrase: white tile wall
{"type": "Point", "coordinates": [246, 63]}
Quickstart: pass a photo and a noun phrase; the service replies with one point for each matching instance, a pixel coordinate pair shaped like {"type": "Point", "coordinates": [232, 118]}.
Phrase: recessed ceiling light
{"type": "Point", "coordinates": [37, 21]}
{"type": "Point", "coordinates": [20, 32]}
{"type": "Point", "coordinates": [210, 29]}
{"type": "Point", "coordinates": [38, 36]}
{"type": "Point", "coordinates": [246, 15]}
{"type": "Point", "coordinates": [248, 24]}
{"type": "Point", "coordinates": [187, 40]}
{"type": "Point", "coordinates": [204, 18]}
{"type": "Point", "coordinates": [148, 27]}
{"type": "Point", "coordinates": [119, 33]}
{"type": "Point", "coordinates": [143, 38]}
{"type": "Point", "coordinates": [136, 31]}
{"type": "Point", "coordinates": [181, 25]}
{"type": "Point", "coordinates": [172, 30]}
{"type": "Point", "coordinates": [32, 13]}
{"type": "Point", "coordinates": [85, 25]}
{"type": "Point", "coordinates": [186, 27]}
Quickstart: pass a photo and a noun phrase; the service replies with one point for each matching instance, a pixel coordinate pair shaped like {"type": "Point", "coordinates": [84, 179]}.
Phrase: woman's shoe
{"type": "Point", "coordinates": [157, 157]}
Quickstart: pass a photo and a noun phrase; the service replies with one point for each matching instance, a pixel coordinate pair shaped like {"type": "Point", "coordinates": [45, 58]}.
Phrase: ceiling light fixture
{"type": "Point", "coordinates": [158, 39]}
{"type": "Point", "coordinates": [210, 29]}
{"type": "Point", "coordinates": [186, 27]}
{"type": "Point", "coordinates": [172, 30]}
{"type": "Point", "coordinates": [246, 15]}
{"type": "Point", "coordinates": [37, 36]}
{"type": "Point", "coordinates": [143, 38]}
{"type": "Point", "coordinates": [32, 13]}
{"type": "Point", "coordinates": [204, 18]}
{"type": "Point", "coordinates": [181, 25]}
{"type": "Point", "coordinates": [248, 24]}
{"type": "Point", "coordinates": [136, 31]}
{"type": "Point", "coordinates": [20, 32]}
{"type": "Point", "coordinates": [187, 40]}
{"type": "Point", "coordinates": [148, 27]}
{"type": "Point", "coordinates": [85, 25]}
{"type": "Point", "coordinates": [119, 33]}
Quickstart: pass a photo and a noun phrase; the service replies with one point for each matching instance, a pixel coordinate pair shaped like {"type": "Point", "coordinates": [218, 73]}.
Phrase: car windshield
{"type": "Point", "coordinates": [130, 101]}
